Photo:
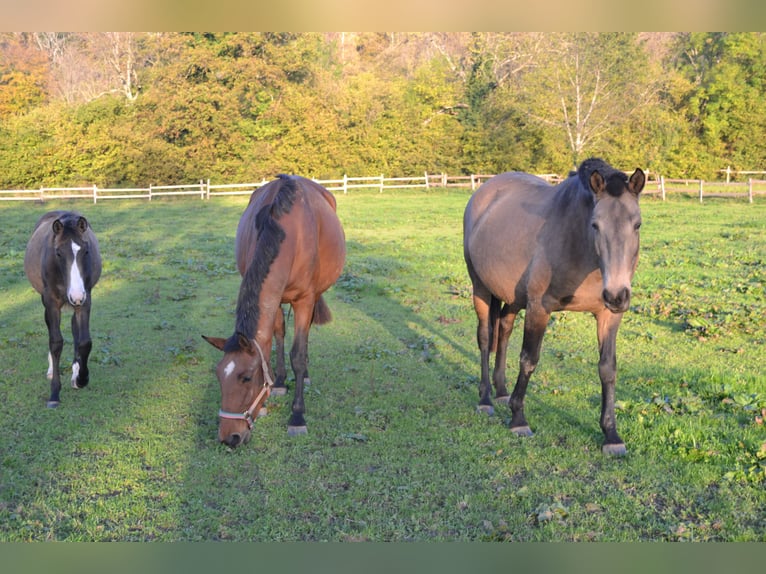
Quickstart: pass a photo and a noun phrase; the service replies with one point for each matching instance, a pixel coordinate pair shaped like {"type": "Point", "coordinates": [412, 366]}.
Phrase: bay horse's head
{"type": "Point", "coordinates": [72, 250]}
{"type": "Point", "coordinates": [245, 385]}
{"type": "Point", "coordinates": [615, 224]}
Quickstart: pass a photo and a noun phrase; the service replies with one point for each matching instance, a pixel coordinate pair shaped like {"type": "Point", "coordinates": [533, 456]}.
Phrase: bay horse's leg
{"type": "Point", "coordinates": [82, 344]}
{"type": "Point", "coordinates": [302, 311]}
{"type": "Point", "coordinates": [607, 324]}
{"type": "Point", "coordinates": [481, 303]}
{"type": "Point", "coordinates": [55, 346]}
{"type": "Point", "coordinates": [504, 330]}
{"type": "Point", "coordinates": [280, 388]}
{"type": "Point", "coordinates": [535, 322]}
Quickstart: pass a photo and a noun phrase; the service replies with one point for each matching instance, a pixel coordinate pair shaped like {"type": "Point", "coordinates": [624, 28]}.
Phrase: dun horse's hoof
{"type": "Point", "coordinates": [52, 404]}
{"type": "Point", "coordinates": [614, 449]}
{"type": "Point", "coordinates": [486, 409]}
{"type": "Point", "coordinates": [504, 400]}
{"type": "Point", "coordinates": [279, 391]}
{"type": "Point", "coordinates": [295, 431]}
{"type": "Point", "coordinates": [522, 431]}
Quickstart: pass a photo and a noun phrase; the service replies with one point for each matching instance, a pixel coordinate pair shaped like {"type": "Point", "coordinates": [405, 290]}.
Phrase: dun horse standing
{"type": "Point", "coordinates": [63, 263]}
{"type": "Point", "coordinates": [529, 245]}
{"type": "Point", "coordinates": [290, 248]}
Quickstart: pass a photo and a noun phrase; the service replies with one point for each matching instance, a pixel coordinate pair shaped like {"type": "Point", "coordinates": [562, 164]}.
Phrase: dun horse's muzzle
{"type": "Point", "coordinates": [618, 302]}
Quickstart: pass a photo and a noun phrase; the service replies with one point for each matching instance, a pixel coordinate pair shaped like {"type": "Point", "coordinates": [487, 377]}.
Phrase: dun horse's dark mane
{"type": "Point", "coordinates": [270, 237]}
{"type": "Point", "coordinates": [575, 190]}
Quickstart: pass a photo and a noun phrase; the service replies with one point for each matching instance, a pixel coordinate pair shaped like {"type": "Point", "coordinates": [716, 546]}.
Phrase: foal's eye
{"type": "Point", "coordinates": [246, 378]}
{"type": "Point", "coordinates": [637, 226]}
{"type": "Point", "coordinates": [594, 225]}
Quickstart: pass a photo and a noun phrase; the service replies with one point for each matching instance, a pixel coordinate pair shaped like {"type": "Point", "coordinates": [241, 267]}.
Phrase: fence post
{"type": "Point", "coordinates": [750, 189]}
{"type": "Point", "coordinates": [207, 189]}
{"type": "Point", "coordinates": [662, 186]}
{"type": "Point", "coordinates": [381, 183]}
{"type": "Point", "coordinates": [425, 173]}
{"type": "Point", "coordinates": [150, 192]}
{"type": "Point", "coordinates": [444, 180]}
{"type": "Point", "coordinates": [700, 191]}
{"type": "Point", "coordinates": [345, 183]}
{"type": "Point", "coordinates": [95, 194]}
{"type": "Point", "coordinates": [728, 173]}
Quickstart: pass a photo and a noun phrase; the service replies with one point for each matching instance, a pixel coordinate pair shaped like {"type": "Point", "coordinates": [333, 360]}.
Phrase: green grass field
{"type": "Point", "coordinates": [395, 450]}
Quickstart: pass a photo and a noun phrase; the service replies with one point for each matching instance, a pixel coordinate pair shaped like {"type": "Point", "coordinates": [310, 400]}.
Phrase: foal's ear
{"type": "Point", "coordinates": [597, 183]}
{"type": "Point", "coordinates": [636, 182]}
{"type": "Point", "coordinates": [217, 342]}
{"type": "Point", "coordinates": [82, 224]}
{"type": "Point", "coordinates": [57, 227]}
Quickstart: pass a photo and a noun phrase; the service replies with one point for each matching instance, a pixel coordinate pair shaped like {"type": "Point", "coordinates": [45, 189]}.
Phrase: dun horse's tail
{"type": "Point", "coordinates": [322, 313]}
{"type": "Point", "coordinates": [494, 322]}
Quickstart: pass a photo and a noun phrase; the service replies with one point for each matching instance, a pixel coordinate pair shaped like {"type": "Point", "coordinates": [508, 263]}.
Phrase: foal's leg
{"type": "Point", "coordinates": [55, 345]}
{"type": "Point", "coordinates": [535, 322]}
{"type": "Point", "coordinates": [607, 324]}
{"type": "Point", "coordinates": [82, 344]}
{"type": "Point", "coordinates": [299, 360]}
{"type": "Point", "coordinates": [505, 328]}
{"type": "Point", "coordinates": [280, 388]}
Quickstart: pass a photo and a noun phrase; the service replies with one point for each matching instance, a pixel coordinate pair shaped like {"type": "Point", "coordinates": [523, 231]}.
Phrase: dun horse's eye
{"type": "Point", "coordinates": [594, 225]}
{"type": "Point", "coordinates": [637, 226]}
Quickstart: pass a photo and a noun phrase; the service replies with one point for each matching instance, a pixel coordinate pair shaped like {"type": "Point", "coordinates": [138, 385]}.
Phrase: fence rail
{"type": "Point", "coordinates": [656, 185]}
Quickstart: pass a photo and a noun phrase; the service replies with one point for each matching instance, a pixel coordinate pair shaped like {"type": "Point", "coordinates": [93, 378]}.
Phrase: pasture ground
{"type": "Point", "coordinates": [395, 449]}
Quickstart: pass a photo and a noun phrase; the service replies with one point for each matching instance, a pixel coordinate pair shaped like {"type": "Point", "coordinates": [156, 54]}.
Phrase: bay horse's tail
{"type": "Point", "coordinates": [322, 312]}
{"type": "Point", "coordinates": [494, 322]}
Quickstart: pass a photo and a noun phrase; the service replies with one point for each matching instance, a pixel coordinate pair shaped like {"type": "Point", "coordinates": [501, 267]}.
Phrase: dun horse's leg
{"type": "Point", "coordinates": [299, 361]}
{"type": "Point", "coordinates": [608, 323]}
{"type": "Point", "coordinates": [55, 346]}
{"type": "Point", "coordinates": [535, 322]}
{"type": "Point", "coordinates": [280, 388]}
{"type": "Point", "coordinates": [505, 328]}
{"type": "Point", "coordinates": [82, 344]}
{"type": "Point", "coordinates": [481, 302]}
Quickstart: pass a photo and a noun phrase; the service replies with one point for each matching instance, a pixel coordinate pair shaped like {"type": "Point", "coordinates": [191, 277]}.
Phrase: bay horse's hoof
{"type": "Point", "coordinates": [295, 431]}
{"type": "Point", "coordinates": [522, 431]}
{"type": "Point", "coordinates": [52, 404]}
{"type": "Point", "coordinates": [486, 409]}
{"type": "Point", "coordinates": [504, 400]}
{"type": "Point", "coordinates": [614, 449]}
{"type": "Point", "coordinates": [306, 381]}
{"type": "Point", "coordinates": [263, 412]}
{"type": "Point", "coordinates": [279, 391]}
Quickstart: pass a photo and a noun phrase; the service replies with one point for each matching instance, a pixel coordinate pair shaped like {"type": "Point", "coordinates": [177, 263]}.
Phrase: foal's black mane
{"type": "Point", "coordinates": [576, 188]}
{"type": "Point", "coordinates": [270, 237]}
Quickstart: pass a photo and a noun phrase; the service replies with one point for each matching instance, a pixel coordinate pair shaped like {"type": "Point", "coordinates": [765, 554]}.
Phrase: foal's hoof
{"type": "Point", "coordinates": [52, 404]}
{"type": "Point", "coordinates": [486, 409]}
{"type": "Point", "coordinates": [295, 431]}
{"type": "Point", "coordinates": [504, 400]}
{"type": "Point", "coordinates": [614, 449]}
{"type": "Point", "coordinates": [279, 391]}
{"type": "Point", "coordinates": [522, 431]}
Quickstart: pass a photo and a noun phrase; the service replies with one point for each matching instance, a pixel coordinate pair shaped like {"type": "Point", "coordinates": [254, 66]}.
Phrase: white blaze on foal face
{"type": "Point", "coordinates": [229, 368]}
{"type": "Point", "coordinates": [76, 292]}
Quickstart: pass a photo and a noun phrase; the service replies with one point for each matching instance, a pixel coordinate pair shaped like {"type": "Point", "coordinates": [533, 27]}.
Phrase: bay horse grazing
{"type": "Point", "coordinates": [542, 248]}
{"type": "Point", "coordinates": [290, 248]}
{"type": "Point", "coordinates": [63, 264]}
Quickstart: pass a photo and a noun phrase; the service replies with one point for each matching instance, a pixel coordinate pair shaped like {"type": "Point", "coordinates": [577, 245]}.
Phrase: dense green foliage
{"type": "Point", "coordinates": [395, 449]}
{"type": "Point", "coordinates": [134, 109]}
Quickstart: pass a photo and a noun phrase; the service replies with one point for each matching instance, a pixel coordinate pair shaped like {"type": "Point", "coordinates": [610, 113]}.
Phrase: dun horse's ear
{"type": "Point", "coordinates": [82, 224]}
{"type": "Point", "coordinates": [597, 183]}
{"type": "Point", "coordinates": [217, 342]}
{"type": "Point", "coordinates": [636, 182]}
{"type": "Point", "coordinates": [57, 226]}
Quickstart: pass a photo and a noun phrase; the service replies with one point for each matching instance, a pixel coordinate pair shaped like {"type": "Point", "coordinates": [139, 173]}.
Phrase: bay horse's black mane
{"type": "Point", "coordinates": [270, 237]}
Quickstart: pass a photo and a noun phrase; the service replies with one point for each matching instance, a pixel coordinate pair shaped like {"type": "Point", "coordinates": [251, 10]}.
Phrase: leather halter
{"type": "Point", "coordinates": [260, 398]}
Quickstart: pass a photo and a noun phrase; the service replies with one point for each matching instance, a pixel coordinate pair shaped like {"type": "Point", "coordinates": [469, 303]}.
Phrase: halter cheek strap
{"type": "Point", "coordinates": [260, 398]}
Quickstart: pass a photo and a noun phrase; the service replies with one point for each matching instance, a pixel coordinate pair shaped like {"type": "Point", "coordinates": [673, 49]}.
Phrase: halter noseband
{"type": "Point", "coordinates": [260, 398]}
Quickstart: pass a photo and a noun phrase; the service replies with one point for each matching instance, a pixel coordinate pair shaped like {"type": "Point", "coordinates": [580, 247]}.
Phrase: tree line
{"type": "Point", "coordinates": [134, 109]}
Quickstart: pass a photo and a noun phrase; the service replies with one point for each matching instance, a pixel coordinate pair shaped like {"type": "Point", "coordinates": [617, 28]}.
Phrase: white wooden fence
{"type": "Point", "coordinates": [656, 185]}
